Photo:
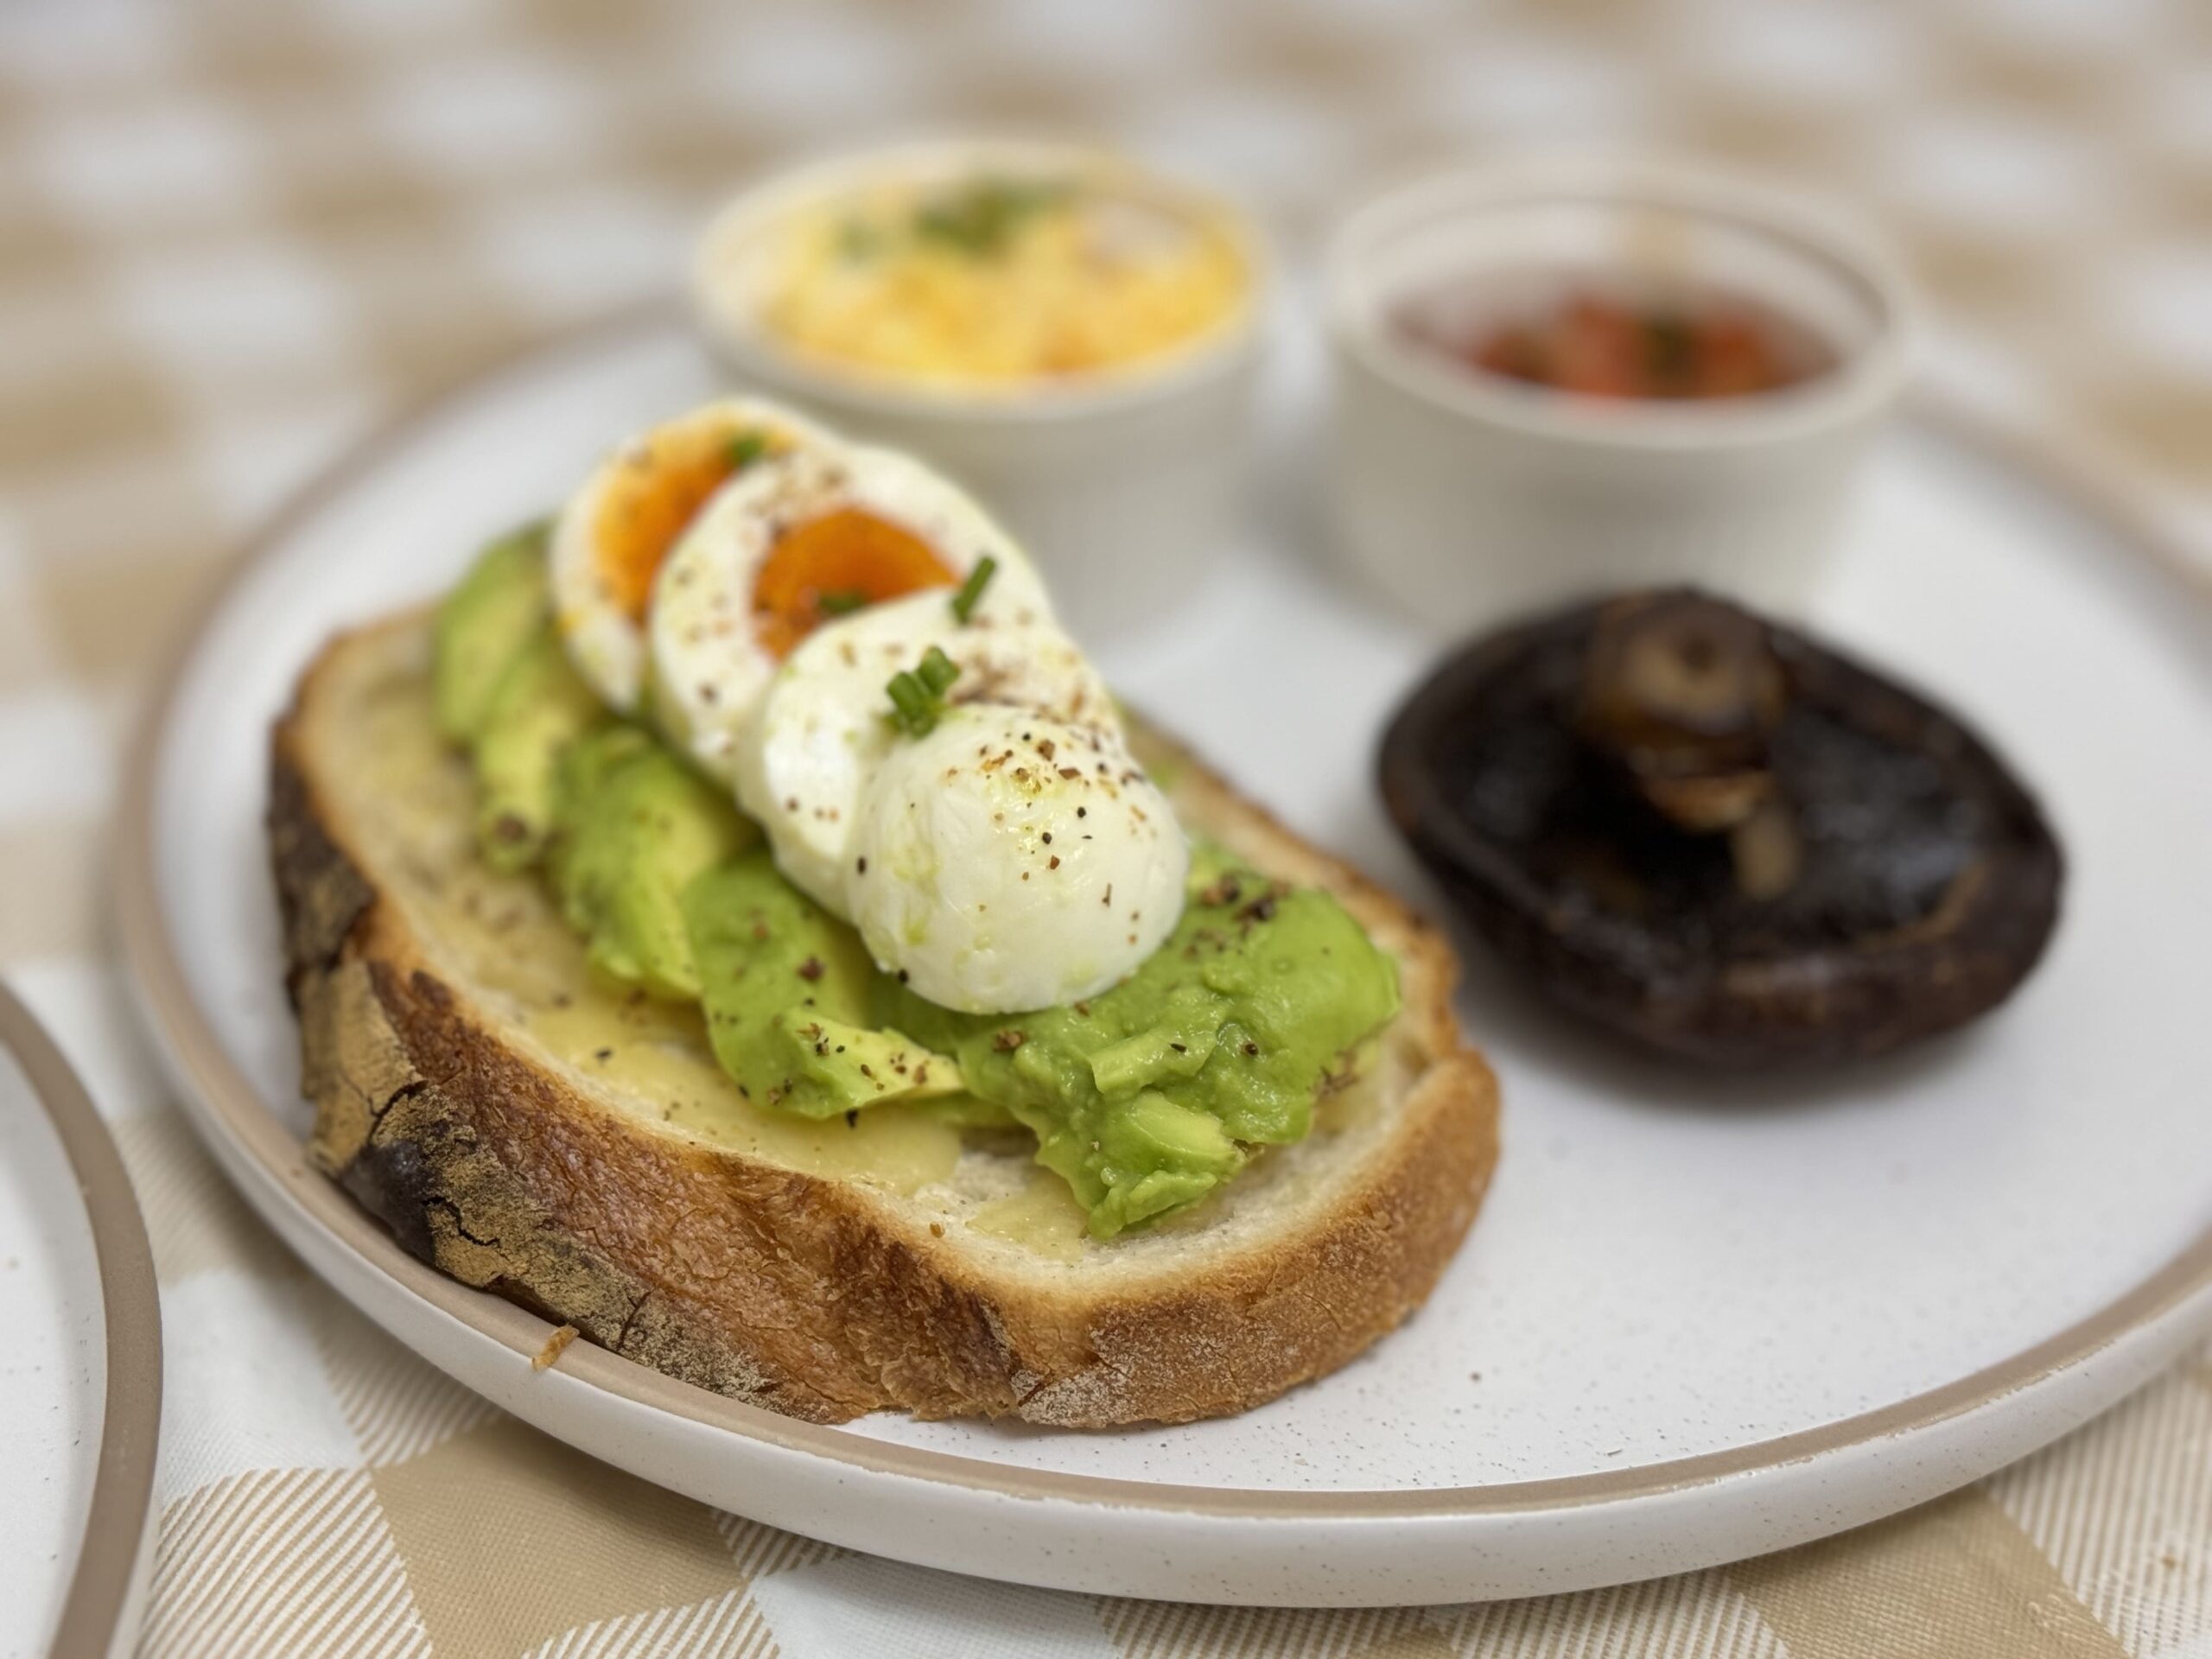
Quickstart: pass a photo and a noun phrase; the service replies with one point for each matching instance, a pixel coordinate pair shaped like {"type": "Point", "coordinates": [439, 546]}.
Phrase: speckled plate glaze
{"type": "Point", "coordinates": [1698, 1319]}
{"type": "Point", "coordinates": [81, 1383]}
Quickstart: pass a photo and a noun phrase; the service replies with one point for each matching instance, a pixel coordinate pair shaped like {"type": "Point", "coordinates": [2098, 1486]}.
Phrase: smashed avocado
{"type": "Point", "coordinates": [1148, 1095]}
{"type": "Point", "coordinates": [1144, 1098]}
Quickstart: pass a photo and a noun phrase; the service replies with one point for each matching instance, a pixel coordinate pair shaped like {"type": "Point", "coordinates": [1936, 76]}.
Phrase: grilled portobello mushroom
{"type": "Point", "coordinates": [1720, 837]}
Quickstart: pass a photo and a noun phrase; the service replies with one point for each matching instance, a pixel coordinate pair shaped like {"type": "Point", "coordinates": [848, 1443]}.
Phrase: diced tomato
{"type": "Point", "coordinates": [1594, 346]}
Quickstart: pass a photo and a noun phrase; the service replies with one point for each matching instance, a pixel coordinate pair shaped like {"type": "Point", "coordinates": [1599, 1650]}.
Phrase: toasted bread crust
{"type": "Point", "coordinates": [810, 1295]}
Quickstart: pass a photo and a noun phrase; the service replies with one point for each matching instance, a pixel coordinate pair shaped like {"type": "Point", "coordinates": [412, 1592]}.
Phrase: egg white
{"type": "Point", "coordinates": [1006, 860]}
{"type": "Point", "coordinates": [820, 729]}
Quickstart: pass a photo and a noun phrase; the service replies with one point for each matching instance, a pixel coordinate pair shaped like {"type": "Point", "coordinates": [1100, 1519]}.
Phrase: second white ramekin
{"type": "Point", "coordinates": [1468, 499]}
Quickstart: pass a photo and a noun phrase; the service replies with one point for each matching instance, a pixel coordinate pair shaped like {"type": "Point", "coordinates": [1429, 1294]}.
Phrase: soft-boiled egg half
{"type": "Point", "coordinates": [615, 532]}
{"type": "Point", "coordinates": [1008, 860]}
{"type": "Point", "coordinates": [804, 538]}
{"type": "Point", "coordinates": [820, 733]}
{"type": "Point", "coordinates": [773, 598]}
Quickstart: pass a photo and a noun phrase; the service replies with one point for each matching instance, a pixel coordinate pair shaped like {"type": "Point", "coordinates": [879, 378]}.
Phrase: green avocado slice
{"type": "Point", "coordinates": [787, 990]}
{"type": "Point", "coordinates": [637, 826]}
{"type": "Point", "coordinates": [485, 624]}
{"type": "Point", "coordinates": [539, 707]}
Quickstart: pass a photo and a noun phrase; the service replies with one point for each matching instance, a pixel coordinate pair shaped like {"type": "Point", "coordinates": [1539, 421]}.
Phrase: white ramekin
{"type": "Point", "coordinates": [1123, 485]}
{"type": "Point", "coordinates": [1467, 498]}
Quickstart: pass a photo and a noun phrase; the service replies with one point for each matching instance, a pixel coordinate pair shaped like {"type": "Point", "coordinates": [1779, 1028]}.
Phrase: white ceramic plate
{"type": "Point", "coordinates": [80, 1381]}
{"type": "Point", "coordinates": [1697, 1319]}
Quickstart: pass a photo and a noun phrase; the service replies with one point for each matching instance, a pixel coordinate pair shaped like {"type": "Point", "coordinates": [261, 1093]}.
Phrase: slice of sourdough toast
{"type": "Point", "coordinates": [530, 1131]}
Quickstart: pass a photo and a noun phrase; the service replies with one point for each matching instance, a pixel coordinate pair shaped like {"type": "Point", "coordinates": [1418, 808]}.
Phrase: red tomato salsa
{"type": "Point", "coordinates": [1595, 344]}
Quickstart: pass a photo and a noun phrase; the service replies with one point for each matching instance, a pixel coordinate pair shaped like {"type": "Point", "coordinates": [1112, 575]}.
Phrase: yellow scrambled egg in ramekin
{"type": "Point", "coordinates": [993, 280]}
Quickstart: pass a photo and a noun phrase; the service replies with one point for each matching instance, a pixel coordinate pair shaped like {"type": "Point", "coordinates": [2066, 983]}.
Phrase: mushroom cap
{"type": "Point", "coordinates": [1925, 890]}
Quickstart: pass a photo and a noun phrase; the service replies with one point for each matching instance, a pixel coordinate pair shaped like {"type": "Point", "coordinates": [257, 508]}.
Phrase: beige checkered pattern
{"type": "Point", "coordinates": [232, 236]}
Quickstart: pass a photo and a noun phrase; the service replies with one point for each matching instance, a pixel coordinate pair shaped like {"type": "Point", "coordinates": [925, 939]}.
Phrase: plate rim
{"type": "Point", "coordinates": [231, 1106]}
{"type": "Point", "coordinates": [105, 1581]}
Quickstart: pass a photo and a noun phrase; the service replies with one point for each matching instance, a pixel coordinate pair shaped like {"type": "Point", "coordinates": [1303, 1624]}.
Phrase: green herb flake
{"type": "Point", "coordinates": [971, 591]}
{"type": "Point", "coordinates": [857, 239]}
{"type": "Point", "coordinates": [918, 693]}
{"type": "Point", "coordinates": [841, 601]}
{"type": "Point", "coordinates": [980, 219]}
{"type": "Point", "coordinates": [747, 447]}
{"type": "Point", "coordinates": [1670, 347]}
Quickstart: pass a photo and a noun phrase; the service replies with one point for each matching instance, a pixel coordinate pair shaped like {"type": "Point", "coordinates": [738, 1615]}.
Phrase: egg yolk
{"type": "Point", "coordinates": [827, 566]}
{"type": "Point", "coordinates": [656, 492]}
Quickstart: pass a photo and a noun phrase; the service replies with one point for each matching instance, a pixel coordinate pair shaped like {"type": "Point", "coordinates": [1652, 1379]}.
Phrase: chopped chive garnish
{"type": "Point", "coordinates": [971, 591]}
{"type": "Point", "coordinates": [841, 601]}
{"type": "Point", "coordinates": [745, 448]}
{"type": "Point", "coordinates": [857, 239]}
{"type": "Point", "coordinates": [982, 217]}
{"type": "Point", "coordinates": [918, 693]}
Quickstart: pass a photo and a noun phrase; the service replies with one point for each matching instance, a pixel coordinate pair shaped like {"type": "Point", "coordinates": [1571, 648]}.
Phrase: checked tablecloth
{"type": "Point", "coordinates": [232, 236]}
